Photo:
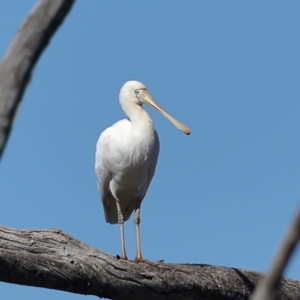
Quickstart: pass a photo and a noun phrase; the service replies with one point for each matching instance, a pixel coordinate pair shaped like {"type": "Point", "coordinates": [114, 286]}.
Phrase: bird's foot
{"type": "Point", "coordinates": [146, 261]}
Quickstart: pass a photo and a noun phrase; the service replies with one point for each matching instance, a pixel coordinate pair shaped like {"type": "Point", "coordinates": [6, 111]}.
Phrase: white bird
{"type": "Point", "coordinates": [126, 157]}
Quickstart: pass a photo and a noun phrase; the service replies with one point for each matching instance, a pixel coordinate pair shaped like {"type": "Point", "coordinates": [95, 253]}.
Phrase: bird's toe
{"type": "Point", "coordinates": [146, 261]}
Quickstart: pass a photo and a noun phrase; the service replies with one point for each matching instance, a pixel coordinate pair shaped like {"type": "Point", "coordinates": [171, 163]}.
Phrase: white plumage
{"type": "Point", "coordinates": [126, 157]}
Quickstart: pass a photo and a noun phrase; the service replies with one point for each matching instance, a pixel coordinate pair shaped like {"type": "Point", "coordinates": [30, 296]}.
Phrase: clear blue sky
{"type": "Point", "coordinates": [230, 70]}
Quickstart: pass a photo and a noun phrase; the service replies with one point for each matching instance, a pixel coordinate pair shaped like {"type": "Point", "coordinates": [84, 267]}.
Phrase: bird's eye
{"type": "Point", "coordinates": [136, 92]}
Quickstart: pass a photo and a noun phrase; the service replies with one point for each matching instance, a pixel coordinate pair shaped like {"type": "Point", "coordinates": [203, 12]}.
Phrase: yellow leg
{"type": "Point", "coordinates": [137, 220]}
{"type": "Point", "coordinates": [138, 256]}
{"type": "Point", "coordinates": [121, 223]}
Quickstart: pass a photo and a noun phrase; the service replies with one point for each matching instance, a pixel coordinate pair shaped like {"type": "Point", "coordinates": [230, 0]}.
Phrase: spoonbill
{"type": "Point", "coordinates": [125, 161]}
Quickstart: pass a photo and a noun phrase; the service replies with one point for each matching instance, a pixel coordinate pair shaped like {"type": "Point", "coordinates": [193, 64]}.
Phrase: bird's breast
{"type": "Point", "coordinates": [131, 173]}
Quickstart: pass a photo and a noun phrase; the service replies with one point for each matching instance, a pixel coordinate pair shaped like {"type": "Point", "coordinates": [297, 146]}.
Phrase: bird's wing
{"type": "Point", "coordinates": [108, 155]}
{"type": "Point", "coordinates": [105, 161]}
{"type": "Point", "coordinates": [102, 170]}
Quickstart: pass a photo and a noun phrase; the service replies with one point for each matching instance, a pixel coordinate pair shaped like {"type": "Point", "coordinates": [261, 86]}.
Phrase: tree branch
{"type": "Point", "coordinates": [31, 39]}
{"type": "Point", "coordinates": [53, 259]}
{"type": "Point", "coordinates": [266, 290]}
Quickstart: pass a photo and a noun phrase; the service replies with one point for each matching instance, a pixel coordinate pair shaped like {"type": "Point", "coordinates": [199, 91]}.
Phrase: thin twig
{"type": "Point", "coordinates": [266, 290]}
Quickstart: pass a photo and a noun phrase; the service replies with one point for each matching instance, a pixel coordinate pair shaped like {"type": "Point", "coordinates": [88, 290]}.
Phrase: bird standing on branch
{"type": "Point", "coordinates": [126, 157]}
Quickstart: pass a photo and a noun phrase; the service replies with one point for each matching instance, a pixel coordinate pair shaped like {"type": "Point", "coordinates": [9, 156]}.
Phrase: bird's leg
{"type": "Point", "coordinates": [137, 221]}
{"type": "Point", "coordinates": [138, 256]}
{"type": "Point", "coordinates": [121, 223]}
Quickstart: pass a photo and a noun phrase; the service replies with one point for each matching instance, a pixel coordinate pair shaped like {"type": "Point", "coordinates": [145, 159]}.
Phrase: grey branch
{"type": "Point", "coordinates": [15, 68]}
{"type": "Point", "coordinates": [55, 260]}
{"type": "Point", "coordinates": [267, 289]}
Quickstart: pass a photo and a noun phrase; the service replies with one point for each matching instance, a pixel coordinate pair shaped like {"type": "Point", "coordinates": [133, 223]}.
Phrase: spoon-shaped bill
{"type": "Point", "coordinates": [150, 101]}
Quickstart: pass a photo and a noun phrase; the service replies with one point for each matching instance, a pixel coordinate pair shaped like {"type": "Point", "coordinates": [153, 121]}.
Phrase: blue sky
{"type": "Point", "coordinates": [230, 70]}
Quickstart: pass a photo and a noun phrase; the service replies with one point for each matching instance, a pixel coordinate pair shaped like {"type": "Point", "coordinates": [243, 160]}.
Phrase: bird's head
{"type": "Point", "coordinates": [131, 91]}
{"type": "Point", "coordinates": [135, 92]}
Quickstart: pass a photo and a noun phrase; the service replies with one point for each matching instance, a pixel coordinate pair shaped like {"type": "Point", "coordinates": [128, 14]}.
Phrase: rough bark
{"type": "Point", "coordinates": [53, 259]}
{"type": "Point", "coordinates": [31, 39]}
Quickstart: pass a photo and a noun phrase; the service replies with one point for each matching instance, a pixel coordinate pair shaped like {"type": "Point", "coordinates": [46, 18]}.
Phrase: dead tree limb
{"type": "Point", "coordinates": [16, 66]}
{"type": "Point", "coordinates": [55, 260]}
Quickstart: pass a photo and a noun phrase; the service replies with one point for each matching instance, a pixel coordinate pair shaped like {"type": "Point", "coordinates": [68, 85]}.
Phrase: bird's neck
{"type": "Point", "coordinates": [139, 118]}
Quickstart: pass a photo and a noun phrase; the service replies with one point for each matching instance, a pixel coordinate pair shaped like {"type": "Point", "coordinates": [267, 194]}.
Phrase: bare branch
{"type": "Point", "coordinates": [53, 259]}
{"type": "Point", "coordinates": [267, 289]}
{"type": "Point", "coordinates": [31, 39]}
